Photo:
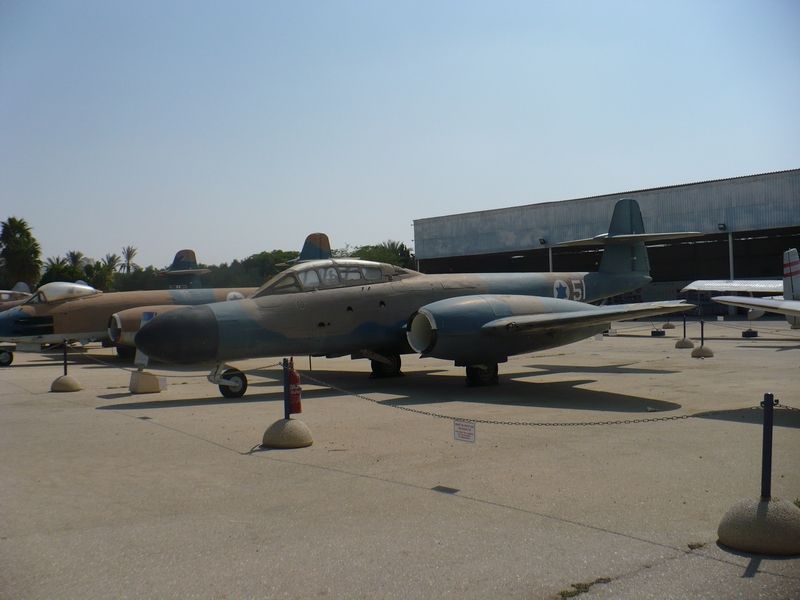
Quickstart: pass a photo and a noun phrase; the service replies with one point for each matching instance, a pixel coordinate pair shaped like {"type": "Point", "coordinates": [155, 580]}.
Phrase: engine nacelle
{"type": "Point", "coordinates": [453, 329]}
{"type": "Point", "coordinates": [123, 326]}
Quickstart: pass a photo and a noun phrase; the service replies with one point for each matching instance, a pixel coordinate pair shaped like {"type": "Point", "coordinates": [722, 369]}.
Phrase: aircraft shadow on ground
{"type": "Point", "coordinates": [623, 369]}
{"type": "Point", "coordinates": [781, 417]}
{"type": "Point", "coordinates": [433, 387]}
{"type": "Point", "coordinates": [766, 347]}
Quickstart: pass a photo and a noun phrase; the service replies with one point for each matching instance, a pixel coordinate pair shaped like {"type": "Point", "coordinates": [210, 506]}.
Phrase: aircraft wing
{"type": "Point", "coordinates": [766, 286]}
{"type": "Point", "coordinates": [542, 323]}
{"type": "Point", "coordinates": [783, 307]}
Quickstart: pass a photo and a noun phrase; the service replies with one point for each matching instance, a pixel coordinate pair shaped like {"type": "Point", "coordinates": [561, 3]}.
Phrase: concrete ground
{"type": "Point", "coordinates": [104, 494]}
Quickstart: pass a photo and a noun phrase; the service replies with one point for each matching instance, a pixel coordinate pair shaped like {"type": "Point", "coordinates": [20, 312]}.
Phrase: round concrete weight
{"type": "Point", "coordinates": [771, 527]}
{"type": "Point", "coordinates": [668, 325]}
{"type": "Point", "coordinates": [66, 383]}
{"type": "Point", "coordinates": [702, 352]}
{"type": "Point", "coordinates": [287, 433]}
{"type": "Point", "coordinates": [684, 343]}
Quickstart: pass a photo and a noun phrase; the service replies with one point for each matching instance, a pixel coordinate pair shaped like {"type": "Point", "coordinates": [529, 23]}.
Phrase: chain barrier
{"type": "Point", "coordinates": [254, 370]}
{"type": "Point", "coordinates": [531, 423]}
{"type": "Point", "coordinates": [321, 383]}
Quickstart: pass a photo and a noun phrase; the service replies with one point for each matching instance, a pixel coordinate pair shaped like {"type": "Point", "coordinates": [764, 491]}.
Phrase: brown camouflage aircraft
{"type": "Point", "coordinates": [76, 312]}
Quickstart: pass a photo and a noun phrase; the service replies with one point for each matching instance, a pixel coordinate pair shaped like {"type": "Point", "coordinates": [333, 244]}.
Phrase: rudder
{"type": "Point", "coordinates": [624, 253]}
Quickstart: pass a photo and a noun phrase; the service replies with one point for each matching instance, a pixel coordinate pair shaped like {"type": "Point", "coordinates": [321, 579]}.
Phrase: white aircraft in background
{"type": "Point", "coordinates": [788, 304]}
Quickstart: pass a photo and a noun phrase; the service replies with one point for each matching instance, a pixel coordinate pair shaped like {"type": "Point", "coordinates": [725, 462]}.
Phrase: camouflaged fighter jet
{"type": "Point", "coordinates": [378, 311]}
{"type": "Point", "coordinates": [125, 324]}
{"type": "Point", "coordinates": [73, 312]}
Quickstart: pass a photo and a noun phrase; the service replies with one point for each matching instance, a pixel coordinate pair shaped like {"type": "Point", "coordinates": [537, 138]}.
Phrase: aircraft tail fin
{"type": "Point", "coordinates": [184, 272]}
{"type": "Point", "coordinates": [791, 275]}
{"type": "Point", "coordinates": [316, 247]}
{"type": "Point", "coordinates": [624, 250]}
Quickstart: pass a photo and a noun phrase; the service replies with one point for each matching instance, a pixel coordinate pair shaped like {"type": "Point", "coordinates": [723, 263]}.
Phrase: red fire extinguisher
{"type": "Point", "coordinates": [294, 391]}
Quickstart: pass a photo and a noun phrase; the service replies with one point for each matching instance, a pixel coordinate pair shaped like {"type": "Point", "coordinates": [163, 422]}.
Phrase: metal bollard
{"type": "Point", "coordinates": [766, 450]}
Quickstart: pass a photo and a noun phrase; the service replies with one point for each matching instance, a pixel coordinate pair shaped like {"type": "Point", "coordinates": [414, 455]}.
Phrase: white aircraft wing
{"type": "Point", "coordinates": [783, 307]}
{"type": "Point", "coordinates": [540, 323]}
{"type": "Point", "coordinates": [764, 286]}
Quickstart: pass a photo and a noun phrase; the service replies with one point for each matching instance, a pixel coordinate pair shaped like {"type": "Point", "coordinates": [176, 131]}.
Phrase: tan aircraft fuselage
{"type": "Point", "coordinates": [86, 318]}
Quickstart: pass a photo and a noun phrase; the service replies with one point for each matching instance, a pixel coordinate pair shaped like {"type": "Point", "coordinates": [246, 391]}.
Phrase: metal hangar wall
{"type": "Point", "coordinates": [756, 215]}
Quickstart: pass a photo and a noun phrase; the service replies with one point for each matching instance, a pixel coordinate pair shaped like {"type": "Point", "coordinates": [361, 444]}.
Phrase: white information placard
{"type": "Point", "coordinates": [464, 431]}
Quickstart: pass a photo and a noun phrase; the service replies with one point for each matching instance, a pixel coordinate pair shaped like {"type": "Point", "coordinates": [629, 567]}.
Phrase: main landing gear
{"type": "Point", "coordinates": [232, 382]}
{"type": "Point", "coordinates": [385, 365]}
{"type": "Point", "coordinates": [480, 375]}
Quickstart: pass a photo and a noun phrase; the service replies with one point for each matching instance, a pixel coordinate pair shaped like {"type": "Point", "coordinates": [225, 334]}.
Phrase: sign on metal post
{"type": "Point", "coordinates": [464, 431]}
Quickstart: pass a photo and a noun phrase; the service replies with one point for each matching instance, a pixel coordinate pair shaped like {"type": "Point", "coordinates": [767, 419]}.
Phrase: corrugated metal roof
{"type": "Point", "coordinates": [748, 203]}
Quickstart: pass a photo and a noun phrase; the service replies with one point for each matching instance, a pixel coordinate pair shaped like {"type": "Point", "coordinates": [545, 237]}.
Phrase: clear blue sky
{"type": "Point", "coordinates": [237, 127]}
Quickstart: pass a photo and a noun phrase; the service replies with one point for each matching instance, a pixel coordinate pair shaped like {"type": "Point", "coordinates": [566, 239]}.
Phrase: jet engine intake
{"type": "Point", "coordinates": [482, 330]}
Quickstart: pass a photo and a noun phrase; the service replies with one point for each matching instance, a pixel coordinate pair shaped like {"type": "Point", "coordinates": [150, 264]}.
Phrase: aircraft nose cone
{"type": "Point", "coordinates": [186, 335]}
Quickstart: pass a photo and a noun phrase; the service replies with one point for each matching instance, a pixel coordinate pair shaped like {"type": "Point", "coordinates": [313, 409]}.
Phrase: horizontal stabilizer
{"type": "Point", "coordinates": [631, 238]}
{"type": "Point", "coordinates": [545, 322]}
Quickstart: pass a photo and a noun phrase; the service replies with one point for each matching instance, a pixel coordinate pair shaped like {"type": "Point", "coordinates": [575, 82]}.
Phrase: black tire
{"type": "Point", "coordinates": [234, 391]}
{"type": "Point", "coordinates": [392, 369]}
{"type": "Point", "coordinates": [484, 375]}
{"type": "Point", "coordinates": [6, 358]}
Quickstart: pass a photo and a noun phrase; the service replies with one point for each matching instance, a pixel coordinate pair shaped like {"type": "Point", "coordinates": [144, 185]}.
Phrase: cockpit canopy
{"type": "Point", "coordinates": [331, 273]}
{"type": "Point", "coordinates": [62, 290]}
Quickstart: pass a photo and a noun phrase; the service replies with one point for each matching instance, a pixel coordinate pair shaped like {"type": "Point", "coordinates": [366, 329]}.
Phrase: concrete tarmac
{"type": "Point", "coordinates": [601, 469]}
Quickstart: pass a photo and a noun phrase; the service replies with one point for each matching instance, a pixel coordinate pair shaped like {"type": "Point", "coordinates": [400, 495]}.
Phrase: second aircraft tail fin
{"type": "Point", "coordinates": [624, 250]}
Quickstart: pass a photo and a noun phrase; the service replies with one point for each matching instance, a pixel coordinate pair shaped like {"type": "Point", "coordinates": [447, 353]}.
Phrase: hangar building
{"type": "Point", "coordinates": [746, 224]}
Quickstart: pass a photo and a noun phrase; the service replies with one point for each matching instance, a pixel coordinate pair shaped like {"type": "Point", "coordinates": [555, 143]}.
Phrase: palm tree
{"type": "Point", "coordinates": [55, 262]}
{"type": "Point", "coordinates": [19, 252]}
{"type": "Point", "coordinates": [128, 252]}
{"type": "Point", "coordinates": [75, 258]}
{"type": "Point", "coordinates": [111, 262]}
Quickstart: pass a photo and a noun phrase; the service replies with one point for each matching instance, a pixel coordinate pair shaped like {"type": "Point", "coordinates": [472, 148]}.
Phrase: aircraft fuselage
{"type": "Point", "coordinates": [341, 320]}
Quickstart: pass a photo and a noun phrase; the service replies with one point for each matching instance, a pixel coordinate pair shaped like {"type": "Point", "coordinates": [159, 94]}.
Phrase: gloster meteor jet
{"type": "Point", "coordinates": [378, 311]}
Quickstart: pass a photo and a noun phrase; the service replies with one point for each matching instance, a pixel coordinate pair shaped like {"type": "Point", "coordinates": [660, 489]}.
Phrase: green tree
{"type": "Point", "coordinates": [390, 251]}
{"type": "Point", "coordinates": [100, 274]}
{"type": "Point", "coordinates": [59, 269]}
{"type": "Point", "coordinates": [20, 253]}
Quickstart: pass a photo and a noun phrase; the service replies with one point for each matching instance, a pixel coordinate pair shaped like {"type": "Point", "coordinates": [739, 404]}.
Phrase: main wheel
{"type": "Point", "coordinates": [482, 375]}
{"type": "Point", "coordinates": [6, 358]}
{"type": "Point", "coordinates": [390, 369]}
{"type": "Point", "coordinates": [239, 386]}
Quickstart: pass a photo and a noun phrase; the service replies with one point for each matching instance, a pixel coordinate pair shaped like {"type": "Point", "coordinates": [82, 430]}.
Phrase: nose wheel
{"type": "Point", "coordinates": [232, 382]}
